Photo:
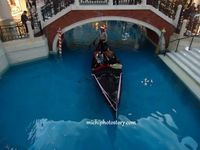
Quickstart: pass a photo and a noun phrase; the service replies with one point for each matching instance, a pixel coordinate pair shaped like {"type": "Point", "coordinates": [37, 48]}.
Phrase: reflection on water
{"type": "Point", "coordinates": [153, 132]}
{"type": "Point", "coordinates": [49, 134]}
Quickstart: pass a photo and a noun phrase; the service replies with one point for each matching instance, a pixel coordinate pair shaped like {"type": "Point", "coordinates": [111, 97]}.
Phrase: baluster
{"type": "Point", "coordinates": [177, 45]}
{"type": "Point", "coordinates": [19, 30]}
{"type": "Point", "coordinates": [191, 43]}
{"type": "Point", "coordinates": [144, 2]}
{"type": "Point", "coordinates": [110, 2]}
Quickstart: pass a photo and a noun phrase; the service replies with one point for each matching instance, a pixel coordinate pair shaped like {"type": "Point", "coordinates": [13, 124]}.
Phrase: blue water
{"type": "Point", "coordinates": [45, 105]}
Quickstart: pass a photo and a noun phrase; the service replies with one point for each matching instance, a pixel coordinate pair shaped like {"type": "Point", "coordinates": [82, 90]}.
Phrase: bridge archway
{"type": "Point", "coordinates": [107, 18]}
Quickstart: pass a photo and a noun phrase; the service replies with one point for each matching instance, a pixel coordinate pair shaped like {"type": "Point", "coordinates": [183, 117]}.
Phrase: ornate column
{"type": "Point", "coordinates": [5, 11]}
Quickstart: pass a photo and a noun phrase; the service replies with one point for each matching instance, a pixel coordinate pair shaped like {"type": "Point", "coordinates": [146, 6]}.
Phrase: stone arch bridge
{"type": "Point", "coordinates": [148, 17]}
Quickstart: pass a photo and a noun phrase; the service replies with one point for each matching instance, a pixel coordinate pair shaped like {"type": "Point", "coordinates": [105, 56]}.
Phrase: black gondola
{"type": "Point", "coordinates": [107, 71]}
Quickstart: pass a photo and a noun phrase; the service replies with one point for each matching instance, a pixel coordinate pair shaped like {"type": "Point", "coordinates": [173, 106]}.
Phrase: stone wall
{"type": "Point", "coordinates": [3, 59]}
{"type": "Point", "coordinates": [20, 51]}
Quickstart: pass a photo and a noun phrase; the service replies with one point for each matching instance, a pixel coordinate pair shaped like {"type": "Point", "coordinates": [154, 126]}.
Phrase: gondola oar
{"type": "Point", "coordinates": [93, 43]}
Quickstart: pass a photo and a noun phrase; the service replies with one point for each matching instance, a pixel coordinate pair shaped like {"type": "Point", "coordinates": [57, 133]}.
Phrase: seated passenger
{"type": "Point", "coordinates": [99, 58]}
{"type": "Point", "coordinates": [109, 53]}
{"type": "Point", "coordinates": [110, 56]}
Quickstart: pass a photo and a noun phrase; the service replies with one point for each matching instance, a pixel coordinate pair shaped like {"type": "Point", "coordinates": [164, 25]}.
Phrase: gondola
{"type": "Point", "coordinates": [107, 72]}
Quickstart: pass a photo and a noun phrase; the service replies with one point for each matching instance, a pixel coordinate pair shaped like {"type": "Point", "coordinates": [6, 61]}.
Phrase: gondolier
{"type": "Point", "coordinates": [102, 39]}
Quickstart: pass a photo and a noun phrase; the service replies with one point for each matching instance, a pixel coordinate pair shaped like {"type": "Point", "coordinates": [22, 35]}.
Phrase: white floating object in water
{"type": "Point", "coordinates": [145, 84]}
{"type": "Point", "coordinates": [129, 114]}
{"type": "Point", "coordinates": [174, 110]}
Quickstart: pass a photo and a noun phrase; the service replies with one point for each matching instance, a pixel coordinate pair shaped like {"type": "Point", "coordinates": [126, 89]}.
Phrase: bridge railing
{"type": "Point", "coordinates": [93, 2]}
{"type": "Point", "coordinates": [52, 7]}
{"type": "Point", "coordinates": [114, 2]}
{"type": "Point", "coordinates": [13, 32]}
{"type": "Point", "coordinates": [126, 2]}
{"type": "Point", "coordinates": [18, 31]}
{"type": "Point", "coordinates": [167, 7]}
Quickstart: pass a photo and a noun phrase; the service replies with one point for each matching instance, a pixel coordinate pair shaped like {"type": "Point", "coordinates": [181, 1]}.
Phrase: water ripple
{"type": "Point", "coordinates": [152, 132]}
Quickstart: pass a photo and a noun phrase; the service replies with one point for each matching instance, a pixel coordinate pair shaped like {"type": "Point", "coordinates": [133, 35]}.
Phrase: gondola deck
{"type": "Point", "coordinates": [109, 80]}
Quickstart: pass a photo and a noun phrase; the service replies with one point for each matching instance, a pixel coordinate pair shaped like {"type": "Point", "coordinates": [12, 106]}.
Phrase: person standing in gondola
{"type": "Point", "coordinates": [102, 39]}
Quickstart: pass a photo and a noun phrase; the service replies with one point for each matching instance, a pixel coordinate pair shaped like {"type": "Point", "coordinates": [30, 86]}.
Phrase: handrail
{"type": "Point", "coordinates": [53, 7]}
{"type": "Point", "coordinates": [184, 38]}
{"type": "Point", "coordinates": [13, 32]}
{"type": "Point", "coordinates": [179, 39]}
{"type": "Point", "coordinates": [18, 31]}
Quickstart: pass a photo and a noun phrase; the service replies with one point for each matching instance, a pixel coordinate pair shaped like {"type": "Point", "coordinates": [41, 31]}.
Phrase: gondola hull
{"type": "Point", "coordinates": [109, 81]}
